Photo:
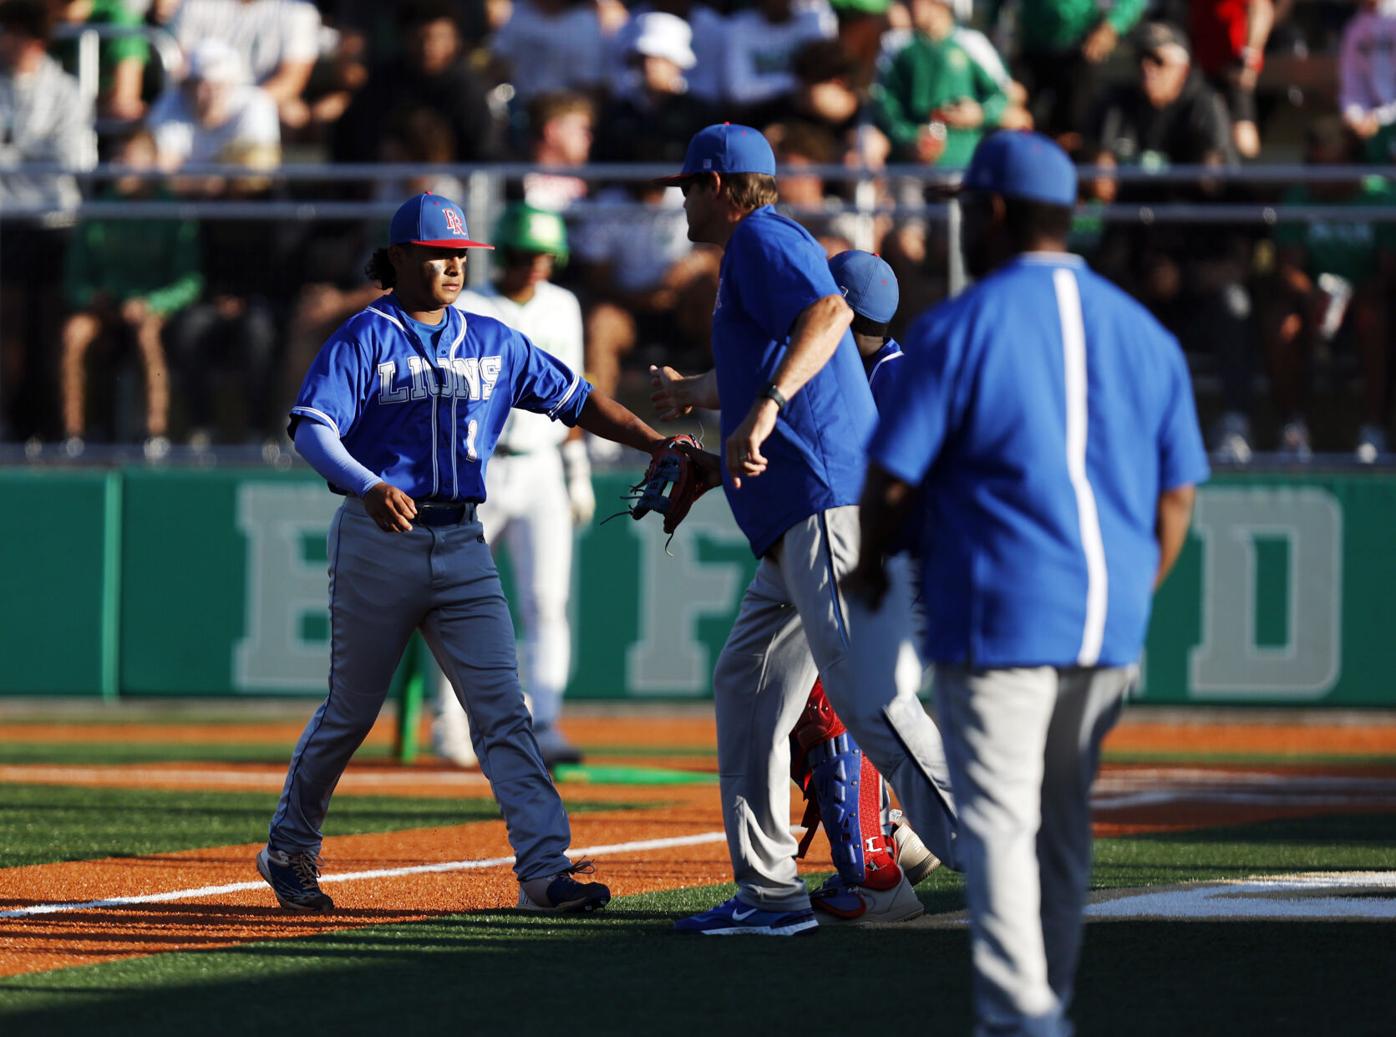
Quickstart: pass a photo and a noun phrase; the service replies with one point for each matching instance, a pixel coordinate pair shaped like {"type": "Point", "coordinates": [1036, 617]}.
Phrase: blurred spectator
{"type": "Point", "coordinates": [278, 41]}
{"type": "Point", "coordinates": [228, 340]}
{"type": "Point", "coordinates": [797, 146]}
{"type": "Point", "coordinates": [1170, 114]}
{"type": "Point", "coordinates": [708, 42]}
{"type": "Point", "coordinates": [935, 102]}
{"type": "Point", "coordinates": [759, 64]}
{"type": "Point", "coordinates": [829, 94]}
{"type": "Point", "coordinates": [1061, 45]}
{"type": "Point", "coordinates": [122, 59]}
{"type": "Point", "coordinates": [430, 73]}
{"type": "Point", "coordinates": [560, 136]}
{"type": "Point", "coordinates": [43, 119]}
{"type": "Point", "coordinates": [645, 281]}
{"type": "Point", "coordinates": [127, 277]}
{"type": "Point", "coordinates": [862, 26]}
{"type": "Point", "coordinates": [1367, 69]}
{"type": "Point", "coordinates": [1228, 40]}
{"type": "Point", "coordinates": [215, 115]}
{"type": "Point", "coordinates": [554, 45]}
{"type": "Point", "coordinates": [43, 116]}
{"type": "Point", "coordinates": [1332, 284]}
{"type": "Point", "coordinates": [1192, 277]}
{"type": "Point", "coordinates": [652, 115]}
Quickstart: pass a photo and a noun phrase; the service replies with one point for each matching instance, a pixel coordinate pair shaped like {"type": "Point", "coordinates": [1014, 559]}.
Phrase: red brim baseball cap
{"type": "Point", "coordinates": [725, 148]}
{"type": "Point", "coordinates": [431, 220]}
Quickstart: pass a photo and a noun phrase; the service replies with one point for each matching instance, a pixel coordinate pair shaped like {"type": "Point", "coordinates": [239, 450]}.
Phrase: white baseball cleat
{"type": "Point", "coordinates": [450, 736]}
{"type": "Point", "coordinates": [840, 903]}
{"type": "Point", "coordinates": [913, 858]}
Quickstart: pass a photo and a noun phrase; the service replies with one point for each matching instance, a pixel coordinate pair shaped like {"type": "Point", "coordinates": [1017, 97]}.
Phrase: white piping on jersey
{"type": "Point", "coordinates": [1092, 543]}
{"type": "Point", "coordinates": [576, 381]}
{"type": "Point", "coordinates": [387, 317]}
{"type": "Point", "coordinates": [318, 415]}
{"type": "Point", "coordinates": [450, 380]}
{"type": "Point", "coordinates": [878, 366]}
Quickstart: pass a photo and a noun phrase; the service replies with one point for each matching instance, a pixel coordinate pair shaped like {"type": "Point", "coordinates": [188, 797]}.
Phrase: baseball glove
{"type": "Point", "coordinates": [674, 479]}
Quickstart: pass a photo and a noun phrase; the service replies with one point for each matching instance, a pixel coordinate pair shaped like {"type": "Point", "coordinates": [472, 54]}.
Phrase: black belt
{"type": "Point", "coordinates": [441, 513]}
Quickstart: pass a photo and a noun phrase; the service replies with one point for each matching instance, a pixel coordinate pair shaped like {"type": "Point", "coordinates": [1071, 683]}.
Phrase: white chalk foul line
{"type": "Point", "coordinates": [268, 776]}
{"type": "Point", "coordinates": [203, 892]}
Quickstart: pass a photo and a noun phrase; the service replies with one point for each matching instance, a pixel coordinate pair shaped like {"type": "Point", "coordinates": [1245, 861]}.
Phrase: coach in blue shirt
{"type": "Point", "coordinates": [1050, 421]}
{"type": "Point", "coordinates": [796, 415]}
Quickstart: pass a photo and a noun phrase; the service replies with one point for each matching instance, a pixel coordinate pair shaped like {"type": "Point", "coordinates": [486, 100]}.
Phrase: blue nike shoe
{"type": "Point", "coordinates": [737, 918]}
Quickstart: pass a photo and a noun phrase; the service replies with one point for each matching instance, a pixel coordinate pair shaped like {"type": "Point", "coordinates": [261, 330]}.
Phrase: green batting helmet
{"type": "Point", "coordinates": [526, 228]}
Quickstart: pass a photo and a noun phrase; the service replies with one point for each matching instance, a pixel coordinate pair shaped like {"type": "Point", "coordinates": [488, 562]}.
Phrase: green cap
{"type": "Point", "coordinates": [861, 6]}
{"type": "Point", "coordinates": [527, 228]}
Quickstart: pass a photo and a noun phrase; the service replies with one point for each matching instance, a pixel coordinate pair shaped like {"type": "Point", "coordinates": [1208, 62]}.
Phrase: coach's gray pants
{"type": "Point", "coordinates": [1024, 745]}
{"type": "Point", "coordinates": [441, 580]}
{"type": "Point", "coordinates": [794, 623]}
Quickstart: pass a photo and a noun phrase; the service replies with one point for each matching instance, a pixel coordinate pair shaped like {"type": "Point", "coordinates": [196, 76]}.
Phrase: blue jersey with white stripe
{"type": "Point", "coordinates": [772, 271]}
{"type": "Point", "coordinates": [423, 409]}
{"type": "Point", "coordinates": [882, 368]}
{"type": "Point", "coordinates": [1045, 411]}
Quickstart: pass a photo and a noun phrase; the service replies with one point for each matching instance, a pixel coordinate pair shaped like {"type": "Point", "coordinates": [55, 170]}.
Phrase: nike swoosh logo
{"type": "Point", "coordinates": [739, 916]}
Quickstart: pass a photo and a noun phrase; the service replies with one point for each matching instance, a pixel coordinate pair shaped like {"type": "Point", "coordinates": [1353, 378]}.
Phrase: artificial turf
{"type": "Point", "coordinates": [46, 823]}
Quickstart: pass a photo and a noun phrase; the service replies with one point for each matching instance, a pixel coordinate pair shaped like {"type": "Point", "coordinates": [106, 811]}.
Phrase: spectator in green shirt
{"type": "Point", "coordinates": [1061, 45]}
{"type": "Point", "coordinates": [122, 58]}
{"type": "Point", "coordinates": [1333, 280]}
{"type": "Point", "coordinates": [934, 101]}
{"type": "Point", "coordinates": [127, 276]}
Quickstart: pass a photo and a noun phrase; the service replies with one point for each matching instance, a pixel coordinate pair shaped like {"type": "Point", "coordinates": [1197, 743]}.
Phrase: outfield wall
{"type": "Point", "coordinates": [179, 582]}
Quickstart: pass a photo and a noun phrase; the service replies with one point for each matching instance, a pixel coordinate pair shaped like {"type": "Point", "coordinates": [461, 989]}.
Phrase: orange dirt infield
{"type": "Point", "coordinates": [1145, 799]}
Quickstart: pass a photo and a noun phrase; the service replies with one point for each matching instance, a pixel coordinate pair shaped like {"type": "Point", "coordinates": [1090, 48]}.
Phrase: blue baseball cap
{"type": "Point", "coordinates": [1018, 164]}
{"type": "Point", "coordinates": [432, 220]}
{"type": "Point", "coordinates": [867, 283]}
{"type": "Point", "coordinates": [725, 148]}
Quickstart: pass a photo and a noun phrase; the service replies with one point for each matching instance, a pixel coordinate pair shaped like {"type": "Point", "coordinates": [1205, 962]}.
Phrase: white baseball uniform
{"type": "Point", "coordinates": [528, 507]}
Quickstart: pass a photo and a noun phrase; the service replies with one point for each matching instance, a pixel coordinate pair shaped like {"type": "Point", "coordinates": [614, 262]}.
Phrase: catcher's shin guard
{"type": "Point", "coordinates": [846, 793]}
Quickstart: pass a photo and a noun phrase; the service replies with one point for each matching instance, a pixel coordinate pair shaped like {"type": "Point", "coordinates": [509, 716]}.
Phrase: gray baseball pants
{"type": "Point", "coordinates": [1024, 746]}
{"type": "Point", "coordinates": [793, 623]}
{"type": "Point", "coordinates": [441, 580]}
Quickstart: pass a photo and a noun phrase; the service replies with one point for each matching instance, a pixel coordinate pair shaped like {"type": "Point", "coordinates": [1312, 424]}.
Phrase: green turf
{"type": "Point", "coordinates": [498, 972]}
{"type": "Point", "coordinates": [624, 971]}
{"type": "Point", "coordinates": [1257, 759]}
{"type": "Point", "coordinates": [198, 753]}
{"type": "Point", "coordinates": [44, 823]}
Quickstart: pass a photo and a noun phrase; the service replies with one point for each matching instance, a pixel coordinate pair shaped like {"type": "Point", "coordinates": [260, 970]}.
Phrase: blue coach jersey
{"type": "Point", "coordinates": [1050, 411]}
{"type": "Point", "coordinates": [882, 369]}
{"type": "Point", "coordinates": [772, 270]}
{"type": "Point", "coordinates": [423, 408]}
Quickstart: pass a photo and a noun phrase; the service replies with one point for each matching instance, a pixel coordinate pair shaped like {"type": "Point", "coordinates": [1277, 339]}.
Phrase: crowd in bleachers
{"type": "Point", "coordinates": [222, 316]}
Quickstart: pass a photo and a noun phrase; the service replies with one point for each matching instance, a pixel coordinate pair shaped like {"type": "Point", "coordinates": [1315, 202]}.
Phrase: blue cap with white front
{"type": "Point", "coordinates": [1018, 164]}
{"type": "Point", "coordinates": [725, 148]}
{"type": "Point", "coordinates": [432, 220]}
{"type": "Point", "coordinates": [867, 283]}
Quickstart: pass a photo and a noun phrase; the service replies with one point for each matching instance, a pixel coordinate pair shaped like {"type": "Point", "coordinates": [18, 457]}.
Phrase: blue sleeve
{"type": "Point", "coordinates": [545, 385]}
{"type": "Point", "coordinates": [777, 274]}
{"type": "Point", "coordinates": [916, 409]}
{"type": "Point", "coordinates": [1182, 456]}
{"type": "Point", "coordinates": [336, 386]}
{"type": "Point", "coordinates": [324, 451]}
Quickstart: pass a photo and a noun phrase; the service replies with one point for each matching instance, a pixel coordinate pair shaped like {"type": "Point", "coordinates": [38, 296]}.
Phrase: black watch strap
{"type": "Point", "coordinates": [772, 393]}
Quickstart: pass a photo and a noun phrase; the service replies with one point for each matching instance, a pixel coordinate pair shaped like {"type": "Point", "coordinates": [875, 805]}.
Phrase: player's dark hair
{"type": "Point", "coordinates": [749, 190]}
{"type": "Point", "coordinates": [1030, 224]}
{"type": "Point", "coordinates": [380, 269]}
{"type": "Point", "coordinates": [863, 326]}
{"type": "Point", "coordinates": [25, 17]}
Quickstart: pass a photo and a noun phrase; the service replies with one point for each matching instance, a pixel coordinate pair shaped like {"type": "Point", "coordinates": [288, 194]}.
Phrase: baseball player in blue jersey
{"type": "Point", "coordinates": [399, 412]}
{"type": "Point", "coordinates": [796, 413]}
{"type": "Point", "coordinates": [1050, 422]}
{"type": "Point", "coordinates": [870, 845]}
